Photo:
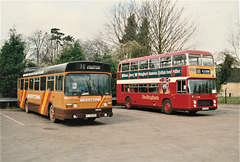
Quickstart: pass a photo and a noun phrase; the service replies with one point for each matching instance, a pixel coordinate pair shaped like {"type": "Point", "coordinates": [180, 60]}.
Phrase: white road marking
{"type": "Point", "coordinates": [12, 119]}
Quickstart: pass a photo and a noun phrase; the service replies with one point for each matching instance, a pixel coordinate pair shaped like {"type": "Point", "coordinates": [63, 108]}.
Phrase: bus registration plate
{"type": "Point", "coordinates": [91, 115]}
{"type": "Point", "coordinates": [205, 108]}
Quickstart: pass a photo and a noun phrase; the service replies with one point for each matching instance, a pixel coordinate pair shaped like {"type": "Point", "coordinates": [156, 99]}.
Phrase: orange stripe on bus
{"type": "Point", "coordinates": [100, 103]}
{"type": "Point", "coordinates": [39, 110]}
{"type": "Point", "coordinates": [23, 97]}
{"type": "Point", "coordinates": [46, 104]}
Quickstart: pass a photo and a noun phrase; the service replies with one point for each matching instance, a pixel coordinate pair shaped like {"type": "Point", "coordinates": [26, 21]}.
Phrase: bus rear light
{"type": "Point", "coordinates": [69, 105]}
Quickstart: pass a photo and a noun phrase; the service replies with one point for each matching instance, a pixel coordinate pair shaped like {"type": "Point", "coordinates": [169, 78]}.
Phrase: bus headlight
{"type": "Point", "coordinates": [75, 105]}
{"type": "Point", "coordinates": [194, 102]}
{"type": "Point", "coordinates": [214, 101]}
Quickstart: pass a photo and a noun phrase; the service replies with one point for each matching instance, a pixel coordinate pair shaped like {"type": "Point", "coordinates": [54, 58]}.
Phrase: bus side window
{"type": "Point", "coordinates": [179, 60]}
{"type": "Point", "coordinates": [153, 88]}
{"type": "Point", "coordinates": [143, 64]}
{"type": "Point", "coordinates": [134, 65]}
{"type": "Point", "coordinates": [125, 67]}
{"type": "Point", "coordinates": [43, 84]}
{"type": "Point", "coordinates": [22, 83]}
{"type": "Point", "coordinates": [50, 83]}
{"type": "Point", "coordinates": [154, 63]}
{"type": "Point", "coordinates": [143, 88]}
{"type": "Point", "coordinates": [181, 86]}
{"type": "Point", "coordinates": [120, 68]}
{"type": "Point", "coordinates": [36, 84]}
{"type": "Point", "coordinates": [31, 84]}
{"type": "Point", "coordinates": [127, 88]}
{"type": "Point", "coordinates": [59, 83]}
{"type": "Point", "coordinates": [165, 61]}
{"type": "Point", "coordinates": [26, 84]}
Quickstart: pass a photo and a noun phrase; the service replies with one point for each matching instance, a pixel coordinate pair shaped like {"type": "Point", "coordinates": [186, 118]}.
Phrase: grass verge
{"type": "Point", "coordinates": [230, 100]}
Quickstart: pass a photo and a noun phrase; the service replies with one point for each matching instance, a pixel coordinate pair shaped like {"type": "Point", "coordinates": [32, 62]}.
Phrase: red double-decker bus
{"type": "Point", "coordinates": [184, 80]}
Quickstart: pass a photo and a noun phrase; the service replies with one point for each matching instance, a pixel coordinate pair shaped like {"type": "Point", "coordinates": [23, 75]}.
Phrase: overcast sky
{"type": "Point", "coordinates": [84, 19]}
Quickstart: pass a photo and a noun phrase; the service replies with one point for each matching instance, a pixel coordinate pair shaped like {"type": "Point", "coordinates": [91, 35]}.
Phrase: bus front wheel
{"type": "Point", "coordinates": [167, 106]}
{"type": "Point", "coordinates": [26, 107]}
{"type": "Point", "coordinates": [128, 103]}
{"type": "Point", "coordinates": [52, 114]}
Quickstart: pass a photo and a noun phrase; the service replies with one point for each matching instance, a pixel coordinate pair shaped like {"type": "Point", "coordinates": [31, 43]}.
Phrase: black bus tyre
{"type": "Point", "coordinates": [26, 107]}
{"type": "Point", "coordinates": [128, 103]}
{"type": "Point", "coordinates": [167, 106]}
{"type": "Point", "coordinates": [52, 114]}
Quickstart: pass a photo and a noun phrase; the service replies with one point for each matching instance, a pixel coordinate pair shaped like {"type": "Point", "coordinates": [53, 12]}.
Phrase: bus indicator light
{"type": "Point", "coordinates": [69, 105]}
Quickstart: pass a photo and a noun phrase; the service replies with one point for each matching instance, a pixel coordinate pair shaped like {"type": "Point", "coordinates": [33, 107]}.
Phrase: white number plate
{"type": "Point", "coordinates": [91, 115]}
{"type": "Point", "coordinates": [205, 108]}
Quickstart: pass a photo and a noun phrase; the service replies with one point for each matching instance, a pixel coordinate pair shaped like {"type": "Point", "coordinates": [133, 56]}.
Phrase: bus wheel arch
{"type": "Point", "coordinates": [167, 106]}
{"type": "Point", "coordinates": [128, 102]}
{"type": "Point", "coordinates": [51, 113]}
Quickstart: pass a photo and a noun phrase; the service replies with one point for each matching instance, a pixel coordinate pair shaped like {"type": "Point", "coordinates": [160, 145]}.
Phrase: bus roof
{"type": "Point", "coordinates": [166, 54]}
{"type": "Point", "coordinates": [66, 67]}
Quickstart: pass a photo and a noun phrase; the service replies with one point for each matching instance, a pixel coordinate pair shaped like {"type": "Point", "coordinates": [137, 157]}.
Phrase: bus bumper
{"type": "Point", "coordinates": [82, 113]}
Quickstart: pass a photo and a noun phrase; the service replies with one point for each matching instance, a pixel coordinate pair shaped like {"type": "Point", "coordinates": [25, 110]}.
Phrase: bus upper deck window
{"type": "Point", "coordinates": [165, 61]}
{"type": "Point", "coordinates": [179, 60]}
{"type": "Point", "coordinates": [134, 65]}
{"type": "Point", "coordinates": [194, 59]}
{"type": "Point", "coordinates": [143, 64]}
{"type": "Point", "coordinates": [207, 60]}
{"type": "Point", "coordinates": [125, 67]}
{"type": "Point", "coordinates": [154, 63]}
{"type": "Point", "coordinates": [120, 68]}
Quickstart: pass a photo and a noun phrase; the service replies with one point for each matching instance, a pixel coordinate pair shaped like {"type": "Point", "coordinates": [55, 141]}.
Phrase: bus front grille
{"type": "Point", "coordinates": [205, 102]}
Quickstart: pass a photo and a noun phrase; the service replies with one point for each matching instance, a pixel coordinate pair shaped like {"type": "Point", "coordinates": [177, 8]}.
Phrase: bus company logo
{"type": "Point", "coordinates": [147, 97]}
{"type": "Point", "coordinates": [89, 99]}
{"type": "Point", "coordinates": [192, 69]}
{"type": "Point", "coordinates": [37, 97]}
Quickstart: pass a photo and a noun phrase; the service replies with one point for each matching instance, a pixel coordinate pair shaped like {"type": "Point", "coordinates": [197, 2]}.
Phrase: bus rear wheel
{"type": "Point", "coordinates": [167, 106]}
{"type": "Point", "coordinates": [128, 103]}
{"type": "Point", "coordinates": [52, 114]}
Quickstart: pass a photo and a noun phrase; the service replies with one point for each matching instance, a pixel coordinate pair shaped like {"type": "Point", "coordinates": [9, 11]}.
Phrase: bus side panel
{"type": "Point", "coordinates": [120, 96]}
{"type": "Point", "coordinates": [22, 98]}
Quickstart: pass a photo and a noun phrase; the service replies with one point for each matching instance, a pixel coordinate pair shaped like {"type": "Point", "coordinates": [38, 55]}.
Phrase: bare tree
{"type": "Point", "coordinates": [38, 40]}
{"type": "Point", "coordinates": [117, 20]}
{"type": "Point", "coordinates": [169, 30]}
{"type": "Point", "coordinates": [234, 40]}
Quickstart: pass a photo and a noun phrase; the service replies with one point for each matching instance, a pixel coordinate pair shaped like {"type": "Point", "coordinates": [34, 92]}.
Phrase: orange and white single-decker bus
{"type": "Point", "coordinates": [184, 80]}
{"type": "Point", "coordinates": [67, 91]}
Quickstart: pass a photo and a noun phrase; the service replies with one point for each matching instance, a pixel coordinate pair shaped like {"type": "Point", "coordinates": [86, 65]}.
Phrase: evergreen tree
{"type": "Point", "coordinates": [143, 37]}
{"type": "Point", "coordinates": [130, 30]}
{"type": "Point", "coordinates": [11, 63]}
{"type": "Point", "coordinates": [225, 69]}
{"type": "Point", "coordinates": [72, 53]}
